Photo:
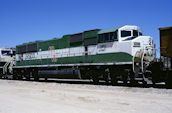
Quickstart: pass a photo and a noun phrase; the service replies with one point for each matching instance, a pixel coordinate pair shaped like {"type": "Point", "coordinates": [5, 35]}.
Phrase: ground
{"type": "Point", "coordinates": [44, 97]}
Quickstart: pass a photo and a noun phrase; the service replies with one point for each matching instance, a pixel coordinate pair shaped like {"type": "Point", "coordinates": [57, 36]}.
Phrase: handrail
{"type": "Point", "coordinates": [10, 64]}
{"type": "Point", "coordinates": [133, 61]}
{"type": "Point", "coordinates": [5, 67]}
{"type": "Point", "coordinates": [142, 58]}
{"type": "Point", "coordinates": [142, 51]}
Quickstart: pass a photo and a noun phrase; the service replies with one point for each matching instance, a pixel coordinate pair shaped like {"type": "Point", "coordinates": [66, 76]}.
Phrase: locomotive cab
{"type": "Point", "coordinates": [142, 48]}
{"type": "Point", "coordinates": [127, 33]}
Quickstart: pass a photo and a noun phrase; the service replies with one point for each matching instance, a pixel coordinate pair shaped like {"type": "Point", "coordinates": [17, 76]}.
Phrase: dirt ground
{"type": "Point", "coordinates": [44, 97]}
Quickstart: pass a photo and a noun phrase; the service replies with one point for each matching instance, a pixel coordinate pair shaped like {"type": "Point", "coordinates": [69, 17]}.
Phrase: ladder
{"type": "Point", "coordinates": [141, 55]}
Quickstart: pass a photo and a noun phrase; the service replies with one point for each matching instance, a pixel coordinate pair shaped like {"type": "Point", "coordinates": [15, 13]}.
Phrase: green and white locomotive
{"type": "Point", "coordinates": [121, 53]}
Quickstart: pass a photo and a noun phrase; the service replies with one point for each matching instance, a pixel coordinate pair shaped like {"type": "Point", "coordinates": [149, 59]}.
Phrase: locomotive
{"type": "Point", "coordinates": [7, 61]}
{"type": "Point", "coordinates": [115, 54]}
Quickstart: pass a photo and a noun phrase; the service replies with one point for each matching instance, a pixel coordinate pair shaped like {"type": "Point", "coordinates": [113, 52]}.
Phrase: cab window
{"type": "Point", "coordinates": [101, 38]}
{"type": "Point", "coordinates": [6, 52]}
{"type": "Point", "coordinates": [125, 33]}
{"type": "Point", "coordinates": [140, 34]}
{"type": "Point", "coordinates": [113, 36]}
{"type": "Point", "coordinates": [106, 36]}
{"type": "Point", "coordinates": [135, 33]}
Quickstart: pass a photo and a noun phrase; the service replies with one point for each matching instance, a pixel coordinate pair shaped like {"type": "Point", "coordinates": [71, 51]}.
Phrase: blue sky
{"type": "Point", "coordinates": [29, 20]}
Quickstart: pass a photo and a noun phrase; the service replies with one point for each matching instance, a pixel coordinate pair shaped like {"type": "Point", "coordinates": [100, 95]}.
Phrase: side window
{"type": "Point", "coordinates": [140, 34]}
{"type": "Point", "coordinates": [112, 37]}
{"type": "Point", "coordinates": [116, 35]}
{"type": "Point", "coordinates": [125, 33]}
{"type": "Point", "coordinates": [107, 37]}
{"type": "Point", "coordinates": [135, 33]}
{"type": "Point", "coordinates": [101, 38]}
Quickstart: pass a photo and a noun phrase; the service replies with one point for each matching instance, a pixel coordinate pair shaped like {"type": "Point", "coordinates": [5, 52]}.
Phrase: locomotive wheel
{"type": "Point", "coordinates": [132, 81]}
{"type": "Point", "coordinates": [169, 80]}
{"type": "Point", "coordinates": [105, 77]}
{"type": "Point", "coordinates": [14, 77]}
{"type": "Point", "coordinates": [36, 78]}
{"type": "Point", "coordinates": [28, 77]}
{"type": "Point", "coordinates": [168, 85]}
{"type": "Point", "coordinates": [125, 82]}
{"type": "Point", "coordinates": [1, 74]}
{"type": "Point", "coordinates": [46, 78]}
{"type": "Point", "coordinates": [20, 77]}
{"type": "Point", "coordinates": [125, 77]}
{"type": "Point", "coordinates": [144, 84]}
{"type": "Point", "coordinates": [113, 80]}
{"type": "Point", "coordinates": [35, 75]}
{"type": "Point", "coordinates": [95, 78]}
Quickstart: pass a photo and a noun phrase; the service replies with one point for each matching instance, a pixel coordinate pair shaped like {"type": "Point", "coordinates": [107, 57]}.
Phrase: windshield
{"type": "Point", "coordinates": [6, 52]}
{"type": "Point", "coordinates": [129, 35]}
{"type": "Point", "coordinates": [125, 33]}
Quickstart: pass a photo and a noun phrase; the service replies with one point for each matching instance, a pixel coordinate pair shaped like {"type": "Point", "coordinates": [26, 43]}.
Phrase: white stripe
{"type": "Point", "coordinates": [81, 64]}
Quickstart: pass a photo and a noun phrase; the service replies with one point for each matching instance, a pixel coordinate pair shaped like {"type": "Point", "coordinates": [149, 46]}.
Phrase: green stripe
{"type": "Point", "coordinates": [100, 58]}
{"type": "Point", "coordinates": [90, 34]}
{"type": "Point", "coordinates": [58, 43]}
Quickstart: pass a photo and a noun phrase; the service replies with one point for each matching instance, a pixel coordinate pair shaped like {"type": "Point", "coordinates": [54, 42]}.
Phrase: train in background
{"type": "Point", "coordinates": [162, 69]}
{"type": "Point", "coordinates": [116, 54]}
{"type": "Point", "coordinates": [7, 61]}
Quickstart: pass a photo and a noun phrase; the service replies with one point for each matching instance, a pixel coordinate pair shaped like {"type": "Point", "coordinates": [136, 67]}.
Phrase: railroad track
{"type": "Point", "coordinates": [90, 82]}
